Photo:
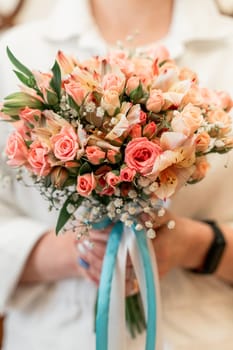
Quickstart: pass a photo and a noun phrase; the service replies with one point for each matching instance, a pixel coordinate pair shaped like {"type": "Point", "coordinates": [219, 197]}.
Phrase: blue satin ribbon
{"type": "Point", "coordinates": [106, 282]}
{"type": "Point", "coordinates": [150, 289]}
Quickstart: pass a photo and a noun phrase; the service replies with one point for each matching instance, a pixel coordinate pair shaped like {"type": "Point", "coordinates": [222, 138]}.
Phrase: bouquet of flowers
{"type": "Point", "coordinates": [118, 135]}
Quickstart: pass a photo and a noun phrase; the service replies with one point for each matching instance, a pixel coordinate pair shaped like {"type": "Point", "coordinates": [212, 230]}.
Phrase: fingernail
{"type": "Point", "coordinates": [81, 248]}
{"type": "Point", "coordinates": [83, 263]}
{"type": "Point", "coordinates": [89, 245]}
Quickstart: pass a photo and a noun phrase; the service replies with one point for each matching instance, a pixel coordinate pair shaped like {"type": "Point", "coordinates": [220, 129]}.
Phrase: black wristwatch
{"type": "Point", "coordinates": [215, 251]}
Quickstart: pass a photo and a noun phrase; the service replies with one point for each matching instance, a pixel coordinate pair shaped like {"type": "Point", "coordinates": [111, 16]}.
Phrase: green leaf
{"type": "Point", "coordinates": [85, 168]}
{"type": "Point", "coordinates": [18, 64]}
{"type": "Point", "coordinates": [137, 93]}
{"type": "Point", "coordinates": [51, 98]}
{"type": "Point", "coordinates": [64, 215]}
{"type": "Point", "coordinates": [30, 82]}
{"type": "Point", "coordinates": [56, 80]}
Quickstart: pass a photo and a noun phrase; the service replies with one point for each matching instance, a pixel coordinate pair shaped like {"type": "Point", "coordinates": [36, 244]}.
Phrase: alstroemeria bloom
{"type": "Point", "coordinates": [38, 159]}
{"type": "Point", "coordinates": [140, 155]}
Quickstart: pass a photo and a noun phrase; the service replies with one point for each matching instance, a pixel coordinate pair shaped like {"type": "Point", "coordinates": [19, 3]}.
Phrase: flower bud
{"type": "Point", "coordinates": [59, 175]}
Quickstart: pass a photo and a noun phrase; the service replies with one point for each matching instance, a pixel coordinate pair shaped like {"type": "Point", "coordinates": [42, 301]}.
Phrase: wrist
{"type": "Point", "coordinates": [200, 240]}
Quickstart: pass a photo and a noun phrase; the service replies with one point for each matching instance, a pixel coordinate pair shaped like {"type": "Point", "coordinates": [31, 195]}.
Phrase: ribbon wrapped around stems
{"type": "Point", "coordinates": [110, 319]}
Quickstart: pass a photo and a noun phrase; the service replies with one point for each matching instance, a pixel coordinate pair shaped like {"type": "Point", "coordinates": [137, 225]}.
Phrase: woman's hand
{"type": "Point", "coordinates": [53, 258]}
{"type": "Point", "coordinates": [183, 246]}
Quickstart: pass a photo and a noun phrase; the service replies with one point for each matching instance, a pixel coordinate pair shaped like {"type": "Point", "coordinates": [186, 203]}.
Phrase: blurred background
{"type": "Point", "coordinates": [13, 12]}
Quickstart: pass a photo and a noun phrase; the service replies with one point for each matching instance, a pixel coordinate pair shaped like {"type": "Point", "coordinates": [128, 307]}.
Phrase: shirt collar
{"type": "Point", "coordinates": [193, 20]}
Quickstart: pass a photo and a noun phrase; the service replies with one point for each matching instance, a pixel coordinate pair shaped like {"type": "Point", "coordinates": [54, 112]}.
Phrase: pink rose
{"type": "Point", "coordinates": [76, 91]}
{"type": "Point", "coordinates": [149, 130]}
{"type": "Point", "coordinates": [155, 101]}
{"type": "Point", "coordinates": [114, 82]}
{"type": "Point", "coordinates": [113, 156]}
{"type": "Point", "coordinates": [112, 179]}
{"type": "Point", "coordinates": [86, 184]}
{"type": "Point", "coordinates": [95, 155]}
{"type": "Point", "coordinates": [30, 115]}
{"type": "Point", "coordinates": [127, 174]}
{"type": "Point", "coordinates": [65, 144]}
{"type": "Point", "coordinates": [140, 155]}
{"type": "Point", "coordinates": [38, 159]}
{"type": "Point", "coordinates": [16, 150]}
{"type": "Point", "coordinates": [188, 74]}
{"type": "Point", "coordinates": [136, 131]}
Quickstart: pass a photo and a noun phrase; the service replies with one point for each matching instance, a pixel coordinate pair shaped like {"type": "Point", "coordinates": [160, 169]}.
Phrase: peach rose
{"type": "Point", "coordinates": [140, 155]}
{"type": "Point", "coordinates": [76, 91]}
{"type": "Point", "coordinates": [187, 121]}
{"type": "Point", "coordinates": [30, 115]}
{"type": "Point", "coordinates": [202, 141]}
{"type": "Point", "coordinates": [38, 159]}
{"type": "Point", "coordinates": [113, 82]}
{"type": "Point", "coordinates": [202, 166]}
{"type": "Point", "coordinates": [16, 150]}
{"type": "Point", "coordinates": [127, 174]}
{"type": "Point", "coordinates": [86, 184]}
{"type": "Point", "coordinates": [112, 179]}
{"type": "Point", "coordinates": [225, 100]}
{"type": "Point", "coordinates": [132, 84]}
{"type": "Point", "coordinates": [155, 101]}
{"type": "Point", "coordinates": [110, 102]}
{"type": "Point", "coordinates": [65, 144]}
{"type": "Point", "coordinates": [221, 119]}
{"type": "Point", "coordinates": [95, 155]}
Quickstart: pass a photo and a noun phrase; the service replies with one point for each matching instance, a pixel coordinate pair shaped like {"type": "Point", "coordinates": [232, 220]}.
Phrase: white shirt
{"type": "Point", "coordinates": [197, 310]}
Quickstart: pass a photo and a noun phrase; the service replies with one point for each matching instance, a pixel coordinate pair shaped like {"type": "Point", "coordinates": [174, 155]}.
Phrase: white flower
{"type": "Point", "coordinates": [171, 224]}
{"type": "Point", "coordinates": [153, 187]}
{"type": "Point", "coordinates": [70, 208]}
{"type": "Point", "coordinates": [118, 202]}
{"type": "Point", "coordinates": [148, 224]}
{"type": "Point", "coordinates": [143, 182]}
{"type": "Point", "coordinates": [219, 143]}
{"type": "Point", "coordinates": [132, 210]}
{"type": "Point", "coordinates": [132, 194]}
{"type": "Point", "coordinates": [151, 233]}
{"type": "Point", "coordinates": [100, 112]}
{"type": "Point", "coordinates": [161, 212]}
{"type": "Point", "coordinates": [90, 107]}
{"type": "Point", "coordinates": [146, 210]}
{"type": "Point", "coordinates": [128, 223]}
{"type": "Point", "coordinates": [124, 217]}
{"type": "Point", "coordinates": [139, 227]}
